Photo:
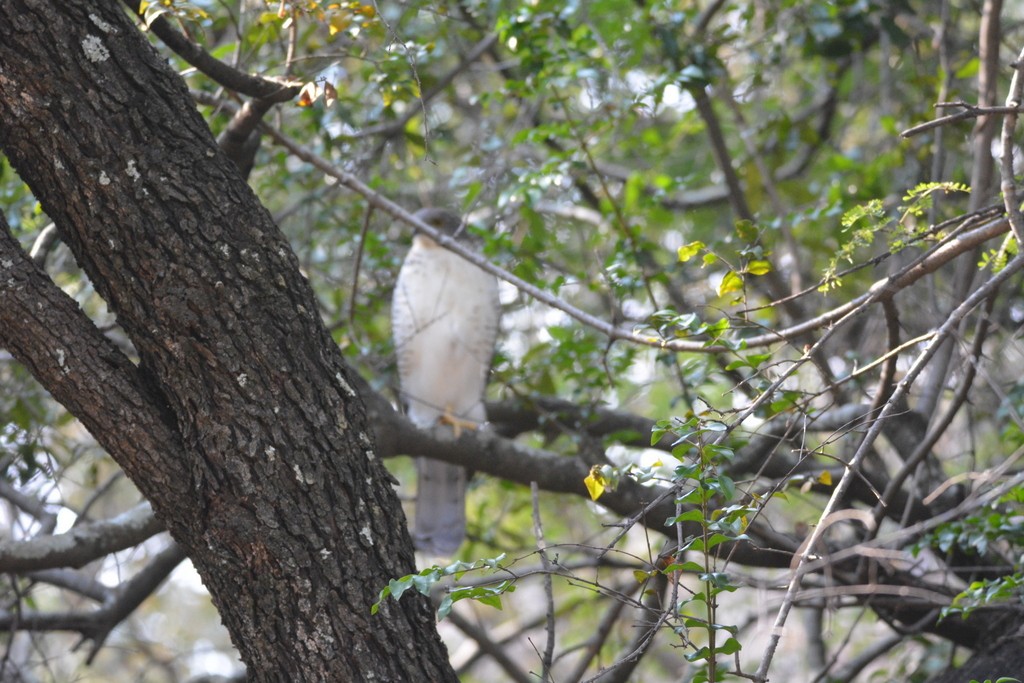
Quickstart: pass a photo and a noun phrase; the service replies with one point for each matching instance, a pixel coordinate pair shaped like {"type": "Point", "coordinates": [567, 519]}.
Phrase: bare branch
{"type": "Point", "coordinates": [29, 504]}
{"type": "Point", "coordinates": [944, 331]}
{"type": "Point", "coordinates": [970, 111]}
{"type": "Point", "coordinates": [853, 667]}
{"type": "Point", "coordinates": [74, 581]}
{"type": "Point", "coordinates": [223, 74]}
{"type": "Point", "coordinates": [47, 332]}
{"type": "Point", "coordinates": [45, 241]}
{"type": "Point", "coordinates": [498, 653]}
{"type": "Point", "coordinates": [97, 624]}
{"type": "Point", "coordinates": [1010, 151]}
{"type": "Point", "coordinates": [989, 35]}
{"type": "Point", "coordinates": [940, 426]}
{"type": "Point", "coordinates": [516, 462]}
{"type": "Point", "coordinates": [82, 544]}
{"type": "Point", "coordinates": [131, 594]}
{"type": "Point", "coordinates": [592, 646]}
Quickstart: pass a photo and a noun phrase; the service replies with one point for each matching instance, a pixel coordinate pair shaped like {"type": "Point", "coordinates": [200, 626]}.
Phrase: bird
{"type": "Point", "coordinates": [444, 317]}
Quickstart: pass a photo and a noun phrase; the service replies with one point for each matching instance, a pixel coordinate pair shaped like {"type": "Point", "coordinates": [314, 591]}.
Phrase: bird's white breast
{"type": "Point", "coordinates": [445, 321]}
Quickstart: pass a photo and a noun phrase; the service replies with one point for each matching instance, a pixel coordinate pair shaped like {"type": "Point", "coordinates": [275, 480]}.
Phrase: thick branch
{"type": "Point", "coordinates": [30, 504]}
{"type": "Point", "coordinates": [74, 581]}
{"type": "Point", "coordinates": [485, 451]}
{"type": "Point", "coordinates": [82, 544]}
{"type": "Point", "coordinates": [49, 334]}
{"type": "Point", "coordinates": [223, 74]}
{"type": "Point", "coordinates": [97, 624]}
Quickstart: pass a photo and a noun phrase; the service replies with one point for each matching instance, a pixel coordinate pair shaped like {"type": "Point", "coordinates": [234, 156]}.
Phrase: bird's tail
{"type": "Point", "coordinates": [440, 507]}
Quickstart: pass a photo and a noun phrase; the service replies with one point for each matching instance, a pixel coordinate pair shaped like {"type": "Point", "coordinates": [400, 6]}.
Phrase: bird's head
{"type": "Point", "coordinates": [446, 221]}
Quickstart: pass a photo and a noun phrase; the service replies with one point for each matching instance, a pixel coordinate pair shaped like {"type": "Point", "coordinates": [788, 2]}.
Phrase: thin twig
{"type": "Point", "coordinates": [970, 112]}
{"type": "Point", "coordinates": [357, 267]}
{"type": "Point", "coordinates": [548, 658]}
{"type": "Point", "coordinates": [644, 639]}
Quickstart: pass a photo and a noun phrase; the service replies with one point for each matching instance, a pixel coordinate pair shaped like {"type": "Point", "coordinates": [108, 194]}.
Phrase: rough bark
{"type": "Point", "coordinates": [1004, 658]}
{"type": "Point", "coordinates": [239, 422]}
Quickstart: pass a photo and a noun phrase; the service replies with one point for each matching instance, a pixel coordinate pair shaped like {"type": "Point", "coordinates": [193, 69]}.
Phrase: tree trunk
{"type": "Point", "coordinates": [1004, 658]}
{"type": "Point", "coordinates": [239, 423]}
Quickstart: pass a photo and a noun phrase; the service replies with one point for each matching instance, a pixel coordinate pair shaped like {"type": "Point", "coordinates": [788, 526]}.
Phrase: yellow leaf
{"type": "Point", "coordinates": [640, 575]}
{"type": "Point", "coordinates": [730, 283]}
{"type": "Point", "coordinates": [759, 267]}
{"type": "Point", "coordinates": [338, 23]}
{"type": "Point", "coordinates": [594, 483]}
{"type": "Point", "coordinates": [688, 251]}
{"type": "Point", "coordinates": [825, 478]}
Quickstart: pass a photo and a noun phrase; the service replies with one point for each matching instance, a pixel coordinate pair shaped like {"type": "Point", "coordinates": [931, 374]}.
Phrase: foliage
{"type": "Point", "coordinates": [709, 495]}
{"type": "Point", "coordinates": [726, 182]}
{"type": "Point", "coordinates": [863, 221]}
{"type": "Point", "coordinates": [429, 576]}
{"type": "Point", "coordinates": [997, 529]}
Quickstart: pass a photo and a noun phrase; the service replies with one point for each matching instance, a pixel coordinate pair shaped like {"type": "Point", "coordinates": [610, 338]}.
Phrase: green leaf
{"type": "Point", "coordinates": [694, 515]}
{"type": "Point", "coordinates": [730, 647]}
{"type": "Point", "coordinates": [702, 653]}
{"type": "Point", "coordinates": [688, 566]}
{"type": "Point", "coordinates": [445, 608]}
{"type": "Point", "coordinates": [747, 231]}
{"type": "Point", "coordinates": [969, 70]}
{"type": "Point", "coordinates": [632, 192]}
{"type": "Point", "coordinates": [490, 600]}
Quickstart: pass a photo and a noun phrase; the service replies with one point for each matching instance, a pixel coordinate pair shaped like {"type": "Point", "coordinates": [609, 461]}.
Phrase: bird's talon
{"type": "Point", "coordinates": [457, 423]}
